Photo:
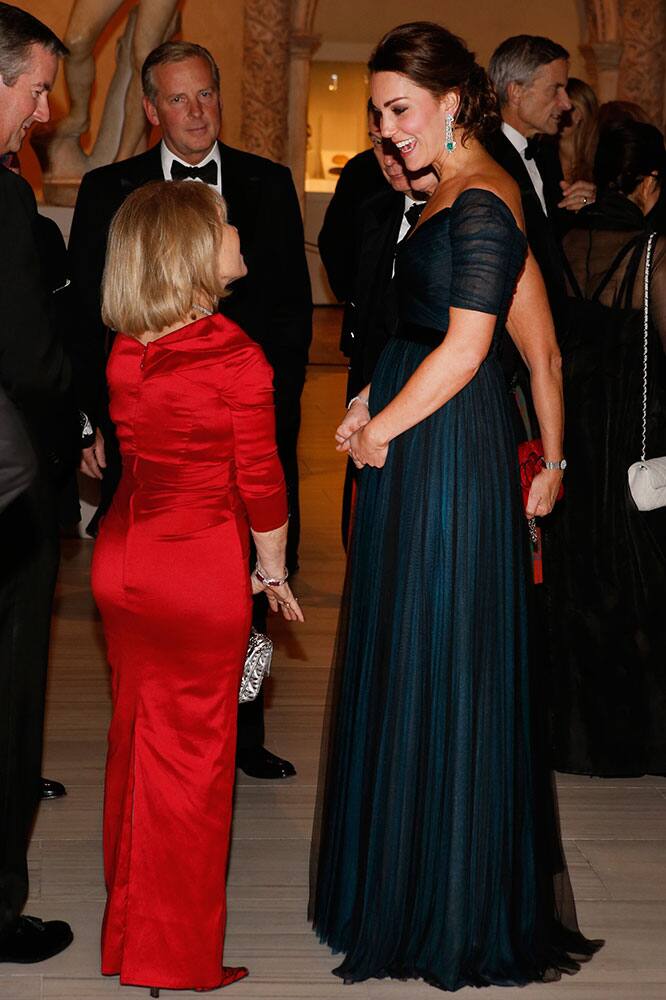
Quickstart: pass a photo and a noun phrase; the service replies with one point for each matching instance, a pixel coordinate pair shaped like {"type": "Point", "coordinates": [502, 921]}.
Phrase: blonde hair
{"type": "Point", "coordinates": [586, 135]}
{"type": "Point", "coordinates": [162, 256]}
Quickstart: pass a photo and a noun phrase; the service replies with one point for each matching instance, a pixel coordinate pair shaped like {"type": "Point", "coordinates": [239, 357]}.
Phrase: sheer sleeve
{"type": "Point", "coordinates": [248, 392]}
{"type": "Point", "coordinates": [488, 250]}
{"type": "Point", "coordinates": [658, 291]}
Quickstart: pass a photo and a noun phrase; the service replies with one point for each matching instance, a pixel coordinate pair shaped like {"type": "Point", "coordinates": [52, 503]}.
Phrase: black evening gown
{"type": "Point", "coordinates": [605, 561]}
{"type": "Point", "coordinates": [436, 852]}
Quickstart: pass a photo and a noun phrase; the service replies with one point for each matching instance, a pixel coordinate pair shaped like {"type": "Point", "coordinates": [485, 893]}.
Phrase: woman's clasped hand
{"type": "Point", "coordinates": [356, 437]}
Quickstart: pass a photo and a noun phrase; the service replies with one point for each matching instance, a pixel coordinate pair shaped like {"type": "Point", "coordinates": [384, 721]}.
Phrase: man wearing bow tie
{"type": "Point", "coordinates": [273, 303]}
{"type": "Point", "coordinates": [530, 76]}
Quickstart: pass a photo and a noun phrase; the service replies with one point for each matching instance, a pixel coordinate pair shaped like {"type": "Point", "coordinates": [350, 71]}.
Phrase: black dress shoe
{"type": "Point", "coordinates": [52, 789]}
{"type": "Point", "coordinates": [30, 939]}
{"type": "Point", "coordinates": [259, 762]}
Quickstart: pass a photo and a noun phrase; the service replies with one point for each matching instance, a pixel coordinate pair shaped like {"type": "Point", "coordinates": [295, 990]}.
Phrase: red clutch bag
{"type": "Point", "coordinates": [530, 460]}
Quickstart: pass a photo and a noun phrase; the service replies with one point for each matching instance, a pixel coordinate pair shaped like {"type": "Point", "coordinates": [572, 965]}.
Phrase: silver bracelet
{"type": "Point", "coordinates": [267, 580]}
{"type": "Point", "coordinates": [357, 399]}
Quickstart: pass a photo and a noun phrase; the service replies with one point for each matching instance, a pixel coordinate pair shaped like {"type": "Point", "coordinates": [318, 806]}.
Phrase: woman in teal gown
{"type": "Point", "coordinates": [437, 854]}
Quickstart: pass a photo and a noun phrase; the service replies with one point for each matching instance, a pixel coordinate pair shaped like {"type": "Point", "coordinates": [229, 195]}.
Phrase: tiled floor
{"type": "Point", "coordinates": [615, 830]}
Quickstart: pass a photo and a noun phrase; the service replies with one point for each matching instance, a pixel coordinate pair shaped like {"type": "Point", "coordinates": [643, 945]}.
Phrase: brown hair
{"type": "Point", "coordinates": [162, 255]}
{"type": "Point", "coordinates": [586, 135]}
{"type": "Point", "coordinates": [627, 153]}
{"type": "Point", "coordinates": [619, 112]}
{"type": "Point", "coordinates": [174, 52]}
{"type": "Point", "coordinates": [440, 62]}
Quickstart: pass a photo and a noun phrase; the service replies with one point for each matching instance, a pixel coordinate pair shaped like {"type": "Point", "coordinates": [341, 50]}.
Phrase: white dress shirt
{"type": "Point", "coordinates": [168, 158]}
{"type": "Point", "coordinates": [405, 224]}
{"type": "Point", "coordinates": [519, 143]}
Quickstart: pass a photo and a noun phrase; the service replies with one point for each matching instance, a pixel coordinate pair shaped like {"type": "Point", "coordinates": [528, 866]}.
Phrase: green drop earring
{"type": "Point", "coordinates": [449, 142]}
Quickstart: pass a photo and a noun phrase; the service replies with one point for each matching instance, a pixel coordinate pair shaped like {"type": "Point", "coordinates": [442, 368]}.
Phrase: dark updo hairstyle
{"type": "Point", "coordinates": [433, 58]}
{"type": "Point", "coordinates": [626, 154]}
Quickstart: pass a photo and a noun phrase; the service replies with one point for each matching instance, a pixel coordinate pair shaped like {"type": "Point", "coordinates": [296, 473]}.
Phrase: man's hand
{"type": "Point", "coordinates": [93, 459]}
{"type": "Point", "coordinates": [577, 195]}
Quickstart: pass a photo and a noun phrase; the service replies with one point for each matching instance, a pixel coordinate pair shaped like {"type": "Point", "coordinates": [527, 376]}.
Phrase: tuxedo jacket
{"type": "Point", "coordinates": [361, 178]}
{"type": "Point", "coordinates": [372, 311]}
{"type": "Point", "coordinates": [17, 458]}
{"type": "Point", "coordinates": [357, 245]}
{"type": "Point", "coordinates": [273, 303]}
{"type": "Point", "coordinates": [34, 370]}
{"type": "Point", "coordinates": [540, 229]}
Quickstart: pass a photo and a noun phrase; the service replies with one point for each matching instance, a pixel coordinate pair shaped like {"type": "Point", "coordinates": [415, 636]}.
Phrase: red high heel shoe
{"type": "Point", "coordinates": [230, 974]}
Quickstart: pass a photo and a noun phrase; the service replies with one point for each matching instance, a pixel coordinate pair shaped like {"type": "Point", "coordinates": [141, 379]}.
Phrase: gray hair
{"type": "Point", "coordinates": [19, 31]}
{"type": "Point", "coordinates": [517, 59]}
{"type": "Point", "coordinates": [174, 52]}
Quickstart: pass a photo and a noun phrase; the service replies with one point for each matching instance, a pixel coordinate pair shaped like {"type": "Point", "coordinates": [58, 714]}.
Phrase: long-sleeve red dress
{"type": "Point", "coordinates": [195, 421]}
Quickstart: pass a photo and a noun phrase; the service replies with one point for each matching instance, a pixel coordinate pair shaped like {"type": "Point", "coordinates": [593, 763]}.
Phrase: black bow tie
{"type": "Point", "coordinates": [207, 173]}
{"type": "Point", "coordinates": [413, 212]}
{"type": "Point", "coordinates": [531, 149]}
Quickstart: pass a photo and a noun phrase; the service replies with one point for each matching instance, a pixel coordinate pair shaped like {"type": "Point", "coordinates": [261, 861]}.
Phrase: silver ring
{"type": "Point", "coordinates": [584, 197]}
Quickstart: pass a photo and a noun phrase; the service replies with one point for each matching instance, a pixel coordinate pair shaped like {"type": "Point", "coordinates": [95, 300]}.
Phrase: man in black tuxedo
{"type": "Point", "coordinates": [18, 464]}
{"type": "Point", "coordinates": [272, 304]}
{"type": "Point", "coordinates": [530, 76]}
{"type": "Point", "coordinates": [374, 206]}
{"type": "Point", "coordinates": [36, 377]}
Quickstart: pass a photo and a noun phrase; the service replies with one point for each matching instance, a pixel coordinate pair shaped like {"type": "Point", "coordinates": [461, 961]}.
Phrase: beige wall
{"type": "Point", "coordinates": [482, 23]}
{"type": "Point", "coordinates": [217, 25]}
{"type": "Point", "coordinates": [337, 118]}
{"type": "Point", "coordinates": [353, 25]}
{"type": "Point", "coordinates": [350, 28]}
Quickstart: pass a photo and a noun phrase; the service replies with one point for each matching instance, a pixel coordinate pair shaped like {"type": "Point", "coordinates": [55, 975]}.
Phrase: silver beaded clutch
{"type": "Point", "coordinates": [257, 665]}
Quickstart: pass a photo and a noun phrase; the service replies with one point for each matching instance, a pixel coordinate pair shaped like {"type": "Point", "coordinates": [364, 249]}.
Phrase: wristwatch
{"type": "Point", "coordinates": [561, 465]}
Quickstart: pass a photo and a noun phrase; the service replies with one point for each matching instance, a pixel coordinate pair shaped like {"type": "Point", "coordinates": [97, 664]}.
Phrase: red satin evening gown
{"type": "Point", "coordinates": [195, 421]}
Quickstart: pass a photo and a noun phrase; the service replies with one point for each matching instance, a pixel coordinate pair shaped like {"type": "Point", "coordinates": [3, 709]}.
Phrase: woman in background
{"type": "Point", "coordinates": [606, 578]}
{"type": "Point", "coordinates": [579, 134]}
{"type": "Point", "coordinates": [192, 400]}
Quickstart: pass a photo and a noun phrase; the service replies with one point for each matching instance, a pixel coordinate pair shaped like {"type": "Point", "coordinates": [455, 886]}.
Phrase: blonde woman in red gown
{"type": "Point", "coordinates": [192, 399]}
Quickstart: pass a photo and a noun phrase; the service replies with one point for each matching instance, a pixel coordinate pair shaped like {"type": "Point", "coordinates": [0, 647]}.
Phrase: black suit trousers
{"type": "Point", "coordinates": [251, 729]}
{"type": "Point", "coordinates": [28, 570]}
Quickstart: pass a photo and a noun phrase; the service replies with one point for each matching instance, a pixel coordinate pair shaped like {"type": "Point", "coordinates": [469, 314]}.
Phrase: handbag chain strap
{"type": "Point", "coordinates": [646, 317]}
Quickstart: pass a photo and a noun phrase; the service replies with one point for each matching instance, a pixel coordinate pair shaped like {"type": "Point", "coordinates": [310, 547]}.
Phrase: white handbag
{"type": "Point", "coordinates": [647, 478]}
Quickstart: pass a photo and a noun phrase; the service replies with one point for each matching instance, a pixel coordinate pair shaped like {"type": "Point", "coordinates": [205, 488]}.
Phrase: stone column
{"type": "Point", "coordinates": [265, 89]}
{"type": "Point", "coordinates": [303, 47]}
{"type": "Point", "coordinates": [642, 67]}
{"type": "Point", "coordinates": [603, 61]}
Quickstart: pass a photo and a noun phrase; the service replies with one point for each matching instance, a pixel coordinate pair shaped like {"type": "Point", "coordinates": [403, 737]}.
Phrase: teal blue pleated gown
{"type": "Point", "coordinates": [436, 851]}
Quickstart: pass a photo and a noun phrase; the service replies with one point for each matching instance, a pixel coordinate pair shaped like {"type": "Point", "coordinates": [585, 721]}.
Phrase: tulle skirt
{"type": "Point", "coordinates": [436, 850]}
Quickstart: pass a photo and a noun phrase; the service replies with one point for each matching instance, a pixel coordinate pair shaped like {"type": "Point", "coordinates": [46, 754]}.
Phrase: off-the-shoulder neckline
{"type": "Point", "coordinates": [449, 208]}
